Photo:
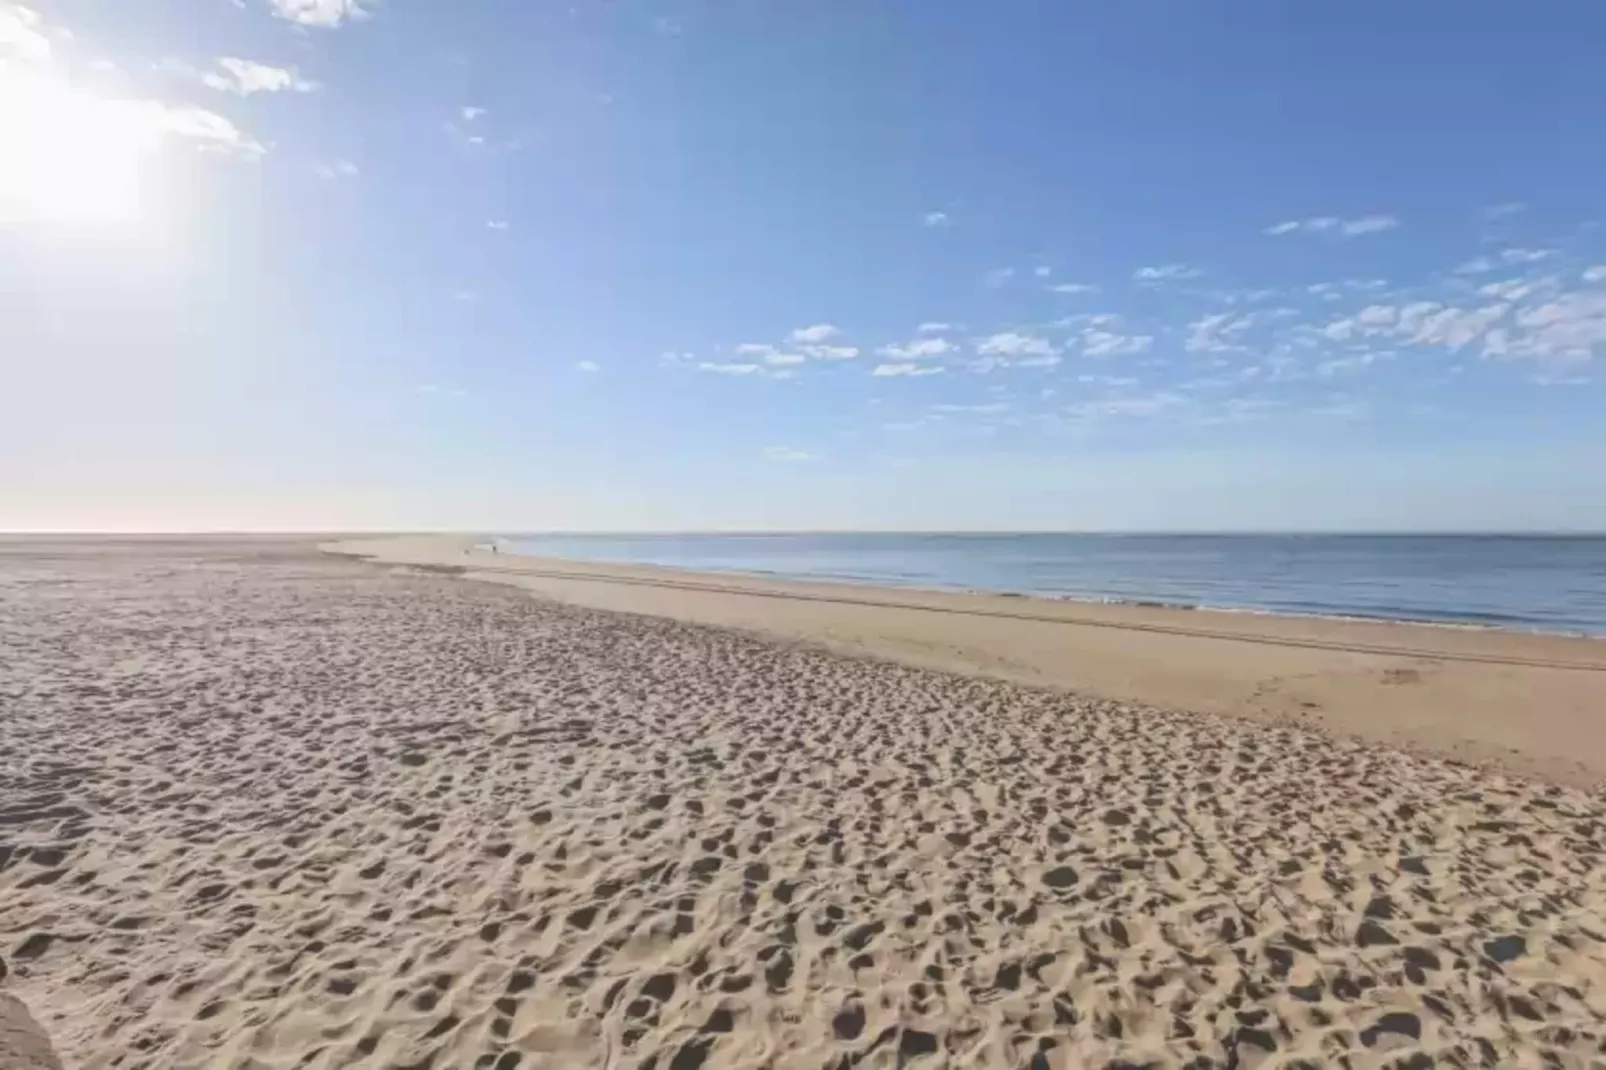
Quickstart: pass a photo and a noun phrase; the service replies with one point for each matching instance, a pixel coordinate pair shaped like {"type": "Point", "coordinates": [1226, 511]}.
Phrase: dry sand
{"type": "Point", "coordinates": [1526, 704]}
{"type": "Point", "coordinates": [262, 808]}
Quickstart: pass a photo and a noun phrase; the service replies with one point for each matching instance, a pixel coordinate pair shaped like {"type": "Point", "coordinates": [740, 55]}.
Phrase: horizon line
{"type": "Point", "coordinates": [13, 533]}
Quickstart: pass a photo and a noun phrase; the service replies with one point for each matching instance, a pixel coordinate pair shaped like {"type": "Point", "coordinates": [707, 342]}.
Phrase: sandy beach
{"type": "Point", "coordinates": [267, 807]}
{"type": "Point", "coordinates": [1527, 704]}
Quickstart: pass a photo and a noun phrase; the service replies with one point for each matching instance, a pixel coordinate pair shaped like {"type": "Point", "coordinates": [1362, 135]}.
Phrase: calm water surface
{"type": "Point", "coordinates": [1543, 583]}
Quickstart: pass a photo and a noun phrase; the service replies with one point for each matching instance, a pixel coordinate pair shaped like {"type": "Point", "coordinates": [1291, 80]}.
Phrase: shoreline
{"type": "Point", "coordinates": [1528, 704]}
{"type": "Point", "coordinates": [1071, 598]}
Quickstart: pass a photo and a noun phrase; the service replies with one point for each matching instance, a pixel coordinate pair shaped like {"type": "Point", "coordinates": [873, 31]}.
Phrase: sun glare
{"type": "Point", "coordinates": [68, 156]}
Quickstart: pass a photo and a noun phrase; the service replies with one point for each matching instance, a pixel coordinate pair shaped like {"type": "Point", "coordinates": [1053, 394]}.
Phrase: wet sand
{"type": "Point", "coordinates": [268, 808]}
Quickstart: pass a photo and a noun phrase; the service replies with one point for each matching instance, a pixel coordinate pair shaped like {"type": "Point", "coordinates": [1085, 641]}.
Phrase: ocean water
{"type": "Point", "coordinates": [1531, 583]}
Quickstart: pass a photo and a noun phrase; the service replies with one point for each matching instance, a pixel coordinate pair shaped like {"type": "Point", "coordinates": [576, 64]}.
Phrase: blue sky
{"type": "Point", "coordinates": [750, 264]}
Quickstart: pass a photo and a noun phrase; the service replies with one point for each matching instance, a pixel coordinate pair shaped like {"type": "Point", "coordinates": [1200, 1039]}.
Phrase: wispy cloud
{"type": "Point", "coordinates": [588, 366]}
{"type": "Point", "coordinates": [1371, 224]}
{"type": "Point", "coordinates": [1594, 274]}
{"type": "Point", "coordinates": [997, 277]}
{"type": "Point", "coordinates": [917, 349]}
{"type": "Point", "coordinates": [1327, 224]}
{"type": "Point", "coordinates": [934, 326]}
{"type": "Point", "coordinates": [905, 369]}
{"type": "Point", "coordinates": [326, 14]}
{"type": "Point", "coordinates": [1505, 258]}
{"type": "Point", "coordinates": [1166, 273]}
{"type": "Point", "coordinates": [1214, 333]}
{"type": "Point", "coordinates": [1074, 288]}
{"type": "Point", "coordinates": [246, 77]}
{"type": "Point", "coordinates": [1015, 344]}
{"type": "Point", "coordinates": [1571, 329]}
{"type": "Point", "coordinates": [936, 219]}
{"type": "Point", "coordinates": [471, 112]}
{"type": "Point", "coordinates": [207, 128]}
{"type": "Point", "coordinates": [496, 224]}
{"type": "Point", "coordinates": [1103, 343]}
{"type": "Point", "coordinates": [820, 332]}
{"type": "Point", "coordinates": [786, 453]}
{"type": "Point", "coordinates": [989, 408]}
{"type": "Point", "coordinates": [723, 368]}
{"type": "Point", "coordinates": [26, 41]}
{"type": "Point", "coordinates": [337, 169]}
{"type": "Point", "coordinates": [23, 34]}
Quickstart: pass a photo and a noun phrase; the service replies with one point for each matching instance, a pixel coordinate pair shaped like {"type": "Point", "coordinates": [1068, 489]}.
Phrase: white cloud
{"type": "Point", "coordinates": [1100, 343]}
{"type": "Point", "coordinates": [1164, 272]}
{"type": "Point", "coordinates": [337, 169]}
{"type": "Point", "coordinates": [1074, 288]}
{"type": "Point", "coordinates": [1014, 344]}
{"type": "Point", "coordinates": [1483, 264]}
{"type": "Point", "coordinates": [917, 349]}
{"type": "Point", "coordinates": [245, 77]}
{"type": "Point", "coordinates": [1420, 323]}
{"type": "Point", "coordinates": [1371, 224]}
{"type": "Point", "coordinates": [932, 327]}
{"type": "Point", "coordinates": [1213, 333]}
{"type": "Point", "coordinates": [322, 13]}
{"type": "Point", "coordinates": [779, 359]}
{"type": "Point", "coordinates": [588, 366]}
{"type": "Point", "coordinates": [1451, 328]}
{"type": "Point", "coordinates": [198, 124]}
{"type": "Point", "coordinates": [75, 154]}
{"type": "Point", "coordinates": [22, 34]}
{"type": "Point", "coordinates": [786, 453]}
{"type": "Point", "coordinates": [1570, 329]}
{"type": "Point", "coordinates": [1328, 224]}
{"type": "Point", "coordinates": [1594, 274]}
{"type": "Point", "coordinates": [496, 224]}
{"type": "Point", "coordinates": [997, 277]}
{"type": "Point", "coordinates": [990, 408]}
{"type": "Point", "coordinates": [820, 332]}
{"type": "Point", "coordinates": [1042, 271]}
{"type": "Point", "coordinates": [885, 370]}
{"type": "Point", "coordinates": [1510, 289]}
{"type": "Point", "coordinates": [936, 219]}
{"type": "Point", "coordinates": [471, 112]}
{"type": "Point", "coordinates": [1500, 211]}
{"type": "Point", "coordinates": [728, 369]}
{"type": "Point", "coordinates": [1324, 224]}
{"type": "Point", "coordinates": [832, 352]}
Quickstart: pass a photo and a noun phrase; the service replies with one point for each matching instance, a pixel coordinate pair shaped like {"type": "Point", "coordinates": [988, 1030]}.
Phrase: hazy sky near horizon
{"type": "Point", "coordinates": [696, 264]}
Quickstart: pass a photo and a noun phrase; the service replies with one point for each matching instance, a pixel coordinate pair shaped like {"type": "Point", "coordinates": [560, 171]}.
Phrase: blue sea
{"type": "Point", "coordinates": [1531, 583]}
